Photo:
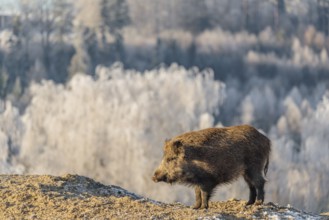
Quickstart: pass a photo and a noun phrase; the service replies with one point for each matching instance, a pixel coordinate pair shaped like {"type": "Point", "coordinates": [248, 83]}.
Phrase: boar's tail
{"type": "Point", "coordinates": [266, 165]}
{"type": "Point", "coordinates": [268, 157]}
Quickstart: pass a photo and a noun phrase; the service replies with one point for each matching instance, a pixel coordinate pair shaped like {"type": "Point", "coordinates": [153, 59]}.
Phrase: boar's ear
{"type": "Point", "coordinates": [177, 146]}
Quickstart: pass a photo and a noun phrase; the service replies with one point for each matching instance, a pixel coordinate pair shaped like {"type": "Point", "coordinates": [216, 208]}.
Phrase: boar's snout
{"type": "Point", "coordinates": [159, 176]}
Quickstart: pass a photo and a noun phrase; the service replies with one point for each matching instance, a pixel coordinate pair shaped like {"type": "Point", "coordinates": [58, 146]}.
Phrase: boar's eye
{"type": "Point", "coordinates": [170, 159]}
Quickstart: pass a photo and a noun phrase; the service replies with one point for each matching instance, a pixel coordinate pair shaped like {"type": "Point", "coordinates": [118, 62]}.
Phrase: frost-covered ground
{"type": "Point", "coordinates": [112, 126]}
{"type": "Point", "coordinates": [78, 197]}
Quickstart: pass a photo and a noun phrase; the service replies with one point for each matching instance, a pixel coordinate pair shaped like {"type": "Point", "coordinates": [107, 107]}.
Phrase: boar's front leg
{"type": "Point", "coordinates": [205, 196]}
{"type": "Point", "coordinates": [197, 204]}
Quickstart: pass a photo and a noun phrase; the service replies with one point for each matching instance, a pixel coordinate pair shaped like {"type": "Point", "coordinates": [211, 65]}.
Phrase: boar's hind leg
{"type": "Point", "coordinates": [252, 188]}
{"type": "Point", "coordinates": [260, 182]}
{"type": "Point", "coordinates": [197, 198]}
{"type": "Point", "coordinates": [256, 180]}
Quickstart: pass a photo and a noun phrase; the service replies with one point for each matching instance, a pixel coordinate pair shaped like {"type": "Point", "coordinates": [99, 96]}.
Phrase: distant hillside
{"type": "Point", "coordinates": [78, 197]}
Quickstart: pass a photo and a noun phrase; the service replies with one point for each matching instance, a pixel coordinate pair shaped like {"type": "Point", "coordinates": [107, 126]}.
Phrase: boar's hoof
{"type": "Point", "coordinates": [259, 202]}
{"type": "Point", "coordinates": [204, 206]}
{"type": "Point", "coordinates": [199, 206]}
{"type": "Point", "coordinates": [196, 206]}
{"type": "Point", "coordinates": [250, 202]}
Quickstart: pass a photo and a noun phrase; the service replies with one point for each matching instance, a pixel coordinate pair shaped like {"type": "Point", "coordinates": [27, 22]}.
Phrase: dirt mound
{"type": "Point", "coordinates": [77, 197]}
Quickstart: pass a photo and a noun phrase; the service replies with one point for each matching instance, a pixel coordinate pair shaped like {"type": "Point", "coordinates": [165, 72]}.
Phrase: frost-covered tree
{"type": "Point", "coordinates": [306, 164]}
{"type": "Point", "coordinates": [51, 18]}
{"type": "Point", "coordinates": [87, 13]}
{"type": "Point", "coordinates": [37, 72]}
{"type": "Point", "coordinates": [115, 16]}
{"type": "Point", "coordinates": [63, 18]}
{"type": "Point", "coordinates": [323, 15]}
{"type": "Point", "coordinates": [3, 83]}
{"type": "Point", "coordinates": [194, 16]}
{"type": "Point", "coordinates": [16, 60]}
{"type": "Point", "coordinates": [280, 12]}
{"type": "Point", "coordinates": [11, 131]}
{"type": "Point", "coordinates": [281, 6]}
{"type": "Point", "coordinates": [39, 28]}
{"type": "Point", "coordinates": [80, 61]}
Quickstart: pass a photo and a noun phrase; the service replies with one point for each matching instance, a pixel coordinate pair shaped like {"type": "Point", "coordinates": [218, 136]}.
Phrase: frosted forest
{"type": "Point", "coordinates": [94, 87]}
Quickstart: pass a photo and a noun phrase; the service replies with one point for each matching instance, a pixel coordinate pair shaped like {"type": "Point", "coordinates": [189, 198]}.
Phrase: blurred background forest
{"type": "Point", "coordinates": [95, 86]}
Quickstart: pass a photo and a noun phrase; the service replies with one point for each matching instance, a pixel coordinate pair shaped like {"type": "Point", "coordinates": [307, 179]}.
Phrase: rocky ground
{"type": "Point", "coordinates": [78, 197]}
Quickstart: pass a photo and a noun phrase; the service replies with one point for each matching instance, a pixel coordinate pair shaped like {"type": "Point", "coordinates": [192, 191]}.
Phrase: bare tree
{"type": "Point", "coordinates": [194, 16]}
{"type": "Point", "coordinates": [80, 62]}
{"type": "Point", "coordinates": [115, 16]}
{"type": "Point", "coordinates": [323, 15]}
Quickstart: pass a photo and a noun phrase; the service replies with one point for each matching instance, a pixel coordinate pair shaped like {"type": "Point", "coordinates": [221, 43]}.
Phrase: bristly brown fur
{"type": "Point", "coordinates": [213, 156]}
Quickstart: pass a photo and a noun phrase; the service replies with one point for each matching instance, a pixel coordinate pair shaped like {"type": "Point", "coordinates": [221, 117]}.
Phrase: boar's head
{"type": "Point", "coordinates": [171, 168]}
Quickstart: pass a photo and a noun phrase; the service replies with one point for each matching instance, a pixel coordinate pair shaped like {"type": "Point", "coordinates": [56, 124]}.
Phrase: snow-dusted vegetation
{"type": "Point", "coordinates": [88, 91]}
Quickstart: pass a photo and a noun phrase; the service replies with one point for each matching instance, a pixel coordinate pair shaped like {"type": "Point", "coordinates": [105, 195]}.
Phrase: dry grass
{"type": "Point", "coordinates": [77, 197]}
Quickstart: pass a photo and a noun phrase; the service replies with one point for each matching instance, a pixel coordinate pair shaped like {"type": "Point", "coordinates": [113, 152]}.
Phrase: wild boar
{"type": "Point", "coordinates": [206, 158]}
